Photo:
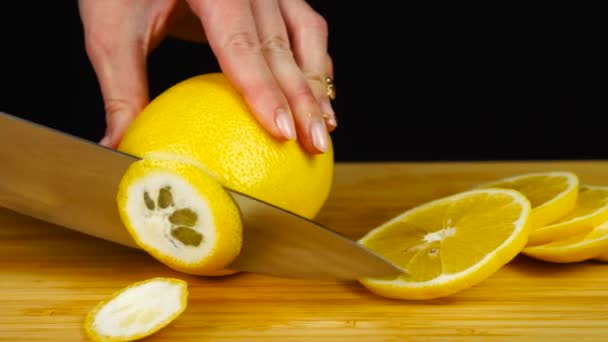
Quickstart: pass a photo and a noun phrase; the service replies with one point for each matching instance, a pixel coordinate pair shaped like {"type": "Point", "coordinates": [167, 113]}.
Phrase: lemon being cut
{"type": "Point", "coordinates": [204, 118]}
{"type": "Point", "coordinates": [579, 247]}
{"type": "Point", "coordinates": [551, 194]}
{"type": "Point", "coordinates": [450, 244]}
{"type": "Point", "coordinates": [137, 311]}
{"type": "Point", "coordinates": [180, 215]}
{"type": "Point", "coordinates": [590, 210]}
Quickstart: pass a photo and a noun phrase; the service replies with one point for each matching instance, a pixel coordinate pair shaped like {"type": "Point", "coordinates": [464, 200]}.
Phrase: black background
{"type": "Point", "coordinates": [414, 83]}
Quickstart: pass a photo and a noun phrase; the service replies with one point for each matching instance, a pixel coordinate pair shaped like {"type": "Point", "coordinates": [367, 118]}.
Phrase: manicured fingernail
{"type": "Point", "coordinates": [318, 131]}
{"type": "Point", "coordinates": [285, 123]}
{"type": "Point", "coordinates": [328, 114]}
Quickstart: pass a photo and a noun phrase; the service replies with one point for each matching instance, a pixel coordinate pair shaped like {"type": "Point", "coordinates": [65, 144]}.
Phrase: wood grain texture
{"type": "Point", "coordinates": [50, 277]}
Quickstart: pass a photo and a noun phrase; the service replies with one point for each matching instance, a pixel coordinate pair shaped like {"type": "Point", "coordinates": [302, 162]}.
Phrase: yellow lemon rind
{"type": "Point", "coordinates": [90, 318]}
{"type": "Point", "coordinates": [552, 210]}
{"type": "Point", "coordinates": [577, 252]}
{"type": "Point", "coordinates": [446, 285]}
{"type": "Point", "coordinates": [578, 225]}
{"type": "Point", "coordinates": [205, 118]}
{"type": "Point", "coordinates": [228, 224]}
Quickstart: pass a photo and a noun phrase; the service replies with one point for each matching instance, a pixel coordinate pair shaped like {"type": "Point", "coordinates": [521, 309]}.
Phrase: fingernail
{"type": "Point", "coordinates": [318, 131]}
{"type": "Point", "coordinates": [105, 141]}
{"type": "Point", "coordinates": [328, 113]}
{"type": "Point", "coordinates": [285, 123]}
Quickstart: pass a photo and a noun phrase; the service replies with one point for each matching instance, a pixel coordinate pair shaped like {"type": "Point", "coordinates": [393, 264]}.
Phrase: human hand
{"type": "Point", "coordinates": [274, 51]}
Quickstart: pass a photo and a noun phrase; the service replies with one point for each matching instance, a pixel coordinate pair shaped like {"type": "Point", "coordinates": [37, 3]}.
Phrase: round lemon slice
{"type": "Point", "coordinates": [180, 215]}
{"type": "Point", "coordinates": [450, 244]}
{"type": "Point", "coordinates": [579, 247]}
{"type": "Point", "coordinates": [137, 311]}
{"type": "Point", "coordinates": [551, 194]}
{"type": "Point", "coordinates": [590, 210]}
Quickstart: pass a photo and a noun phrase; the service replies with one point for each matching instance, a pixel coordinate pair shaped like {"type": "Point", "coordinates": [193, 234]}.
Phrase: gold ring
{"type": "Point", "coordinates": [331, 88]}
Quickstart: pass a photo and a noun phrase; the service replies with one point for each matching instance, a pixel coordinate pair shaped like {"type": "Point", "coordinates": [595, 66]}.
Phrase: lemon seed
{"type": "Point", "coordinates": [148, 200]}
{"type": "Point", "coordinates": [183, 217]}
{"type": "Point", "coordinates": [165, 197]}
{"type": "Point", "coordinates": [187, 236]}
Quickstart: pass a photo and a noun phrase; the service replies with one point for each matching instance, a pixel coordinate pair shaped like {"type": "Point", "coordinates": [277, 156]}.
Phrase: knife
{"type": "Point", "coordinates": [71, 182]}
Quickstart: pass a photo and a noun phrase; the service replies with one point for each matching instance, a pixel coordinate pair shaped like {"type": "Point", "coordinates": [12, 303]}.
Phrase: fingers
{"type": "Point", "coordinates": [276, 49]}
{"type": "Point", "coordinates": [231, 31]}
{"type": "Point", "coordinates": [251, 41]}
{"type": "Point", "coordinates": [118, 59]}
{"type": "Point", "coordinates": [309, 37]}
{"type": "Point", "coordinates": [123, 83]}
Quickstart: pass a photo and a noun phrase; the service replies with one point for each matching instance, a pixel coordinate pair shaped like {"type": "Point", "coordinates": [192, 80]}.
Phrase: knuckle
{"type": "Point", "coordinates": [276, 44]}
{"type": "Point", "coordinates": [316, 82]}
{"type": "Point", "coordinates": [99, 43]}
{"type": "Point", "coordinates": [318, 24]}
{"type": "Point", "coordinates": [315, 77]}
{"type": "Point", "coordinates": [242, 42]}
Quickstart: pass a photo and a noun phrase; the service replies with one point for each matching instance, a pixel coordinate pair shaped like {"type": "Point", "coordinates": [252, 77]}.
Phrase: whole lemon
{"type": "Point", "coordinates": [205, 118]}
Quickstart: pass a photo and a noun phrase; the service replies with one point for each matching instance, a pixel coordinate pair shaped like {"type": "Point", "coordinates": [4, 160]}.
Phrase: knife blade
{"type": "Point", "coordinates": [72, 182]}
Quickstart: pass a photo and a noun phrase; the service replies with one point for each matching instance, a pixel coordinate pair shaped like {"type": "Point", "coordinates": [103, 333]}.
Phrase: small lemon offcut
{"type": "Point", "coordinates": [137, 311]}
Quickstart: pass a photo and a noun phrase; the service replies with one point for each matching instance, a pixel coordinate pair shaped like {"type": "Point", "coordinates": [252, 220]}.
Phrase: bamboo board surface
{"type": "Point", "coordinates": [50, 277]}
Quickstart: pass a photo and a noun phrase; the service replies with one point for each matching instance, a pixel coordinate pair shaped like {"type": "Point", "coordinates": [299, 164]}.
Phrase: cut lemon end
{"type": "Point", "coordinates": [450, 244]}
{"type": "Point", "coordinates": [551, 194]}
{"type": "Point", "coordinates": [575, 248]}
{"type": "Point", "coordinates": [180, 215]}
{"type": "Point", "coordinates": [591, 209]}
{"type": "Point", "coordinates": [137, 311]}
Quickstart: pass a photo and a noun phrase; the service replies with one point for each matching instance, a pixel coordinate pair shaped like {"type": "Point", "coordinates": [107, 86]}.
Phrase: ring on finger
{"type": "Point", "coordinates": [331, 88]}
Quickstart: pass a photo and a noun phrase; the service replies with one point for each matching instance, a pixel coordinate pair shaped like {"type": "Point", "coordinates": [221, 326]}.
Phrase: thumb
{"type": "Point", "coordinates": [121, 72]}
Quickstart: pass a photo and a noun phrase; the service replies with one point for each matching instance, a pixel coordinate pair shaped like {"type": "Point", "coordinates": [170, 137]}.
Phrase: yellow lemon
{"type": "Point", "coordinates": [590, 210]}
{"type": "Point", "coordinates": [450, 244]}
{"type": "Point", "coordinates": [575, 248]}
{"type": "Point", "coordinates": [180, 215]}
{"type": "Point", "coordinates": [551, 194]}
{"type": "Point", "coordinates": [206, 119]}
{"type": "Point", "coordinates": [137, 311]}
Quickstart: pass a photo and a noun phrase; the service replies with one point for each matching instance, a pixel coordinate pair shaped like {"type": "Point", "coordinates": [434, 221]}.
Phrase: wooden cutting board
{"type": "Point", "coordinates": [50, 277]}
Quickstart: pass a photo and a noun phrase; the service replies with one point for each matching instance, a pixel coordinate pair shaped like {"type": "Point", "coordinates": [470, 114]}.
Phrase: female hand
{"type": "Point", "coordinates": [274, 51]}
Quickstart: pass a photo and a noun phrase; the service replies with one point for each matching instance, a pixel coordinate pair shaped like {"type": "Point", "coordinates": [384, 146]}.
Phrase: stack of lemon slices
{"type": "Point", "coordinates": [453, 243]}
{"type": "Point", "coordinates": [571, 222]}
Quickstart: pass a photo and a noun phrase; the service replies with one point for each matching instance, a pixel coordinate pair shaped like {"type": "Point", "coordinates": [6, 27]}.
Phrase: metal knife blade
{"type": "Point", "coordinates": [71, 182]}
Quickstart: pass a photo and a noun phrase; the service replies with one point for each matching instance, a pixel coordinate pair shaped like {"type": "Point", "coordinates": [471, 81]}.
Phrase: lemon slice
{"type": "Point", "coordinates": [579, 247]}
{"type": "Point", "coordinates": [551, 194]}
{"type": "Point", "coordinates": [180, 215]}
{"type": "Point", "coordinates": [450, 244]}
{"type": "Point", "coordinates": [137, 311]}
{"type": "Point", "coordinates": [590, 210]}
